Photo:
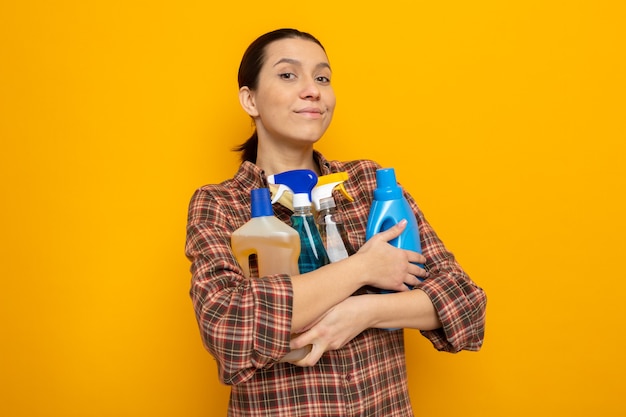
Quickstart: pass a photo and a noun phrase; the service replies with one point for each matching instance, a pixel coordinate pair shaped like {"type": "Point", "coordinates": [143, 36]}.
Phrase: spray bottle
{"type": "Point", "coordinates": [276, 245]}
{"type": "Point", "coordinates": [389, 208]}
{"type": "Point", "coordinates": [328, 219]}
{"type": "Point", "coordinates": [301, 181]}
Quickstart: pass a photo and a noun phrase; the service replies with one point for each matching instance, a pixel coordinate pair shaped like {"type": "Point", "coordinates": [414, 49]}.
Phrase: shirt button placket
{"type": "Point", "coordinates": [351, 391]}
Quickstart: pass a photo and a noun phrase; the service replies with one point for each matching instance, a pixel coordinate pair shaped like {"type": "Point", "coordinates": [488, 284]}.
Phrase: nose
{"type": "Point", "coordinates": [310, 90]}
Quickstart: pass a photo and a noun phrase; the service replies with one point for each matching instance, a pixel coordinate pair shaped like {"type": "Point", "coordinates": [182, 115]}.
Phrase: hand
{"type": "Point", "coordinates": [337, 327]}
{"type": "Point", "coordinates": [388, 267]}
{"type": "Point", "coordinates": [296, 355]}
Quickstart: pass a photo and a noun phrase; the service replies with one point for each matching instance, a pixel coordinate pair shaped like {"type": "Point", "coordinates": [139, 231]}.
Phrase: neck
{"type": "Point", "coordinates": [274, 160]}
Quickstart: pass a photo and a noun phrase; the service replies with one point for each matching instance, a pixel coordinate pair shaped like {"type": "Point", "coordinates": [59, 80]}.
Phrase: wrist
{"type": "Point", "coordinates": [367, 310]}
{"type": "Point", "coordinates": [358, 270]}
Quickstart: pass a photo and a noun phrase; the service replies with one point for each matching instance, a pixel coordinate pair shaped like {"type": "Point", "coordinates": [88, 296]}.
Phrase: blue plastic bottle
{"type": "Point", "coordinates": [389, 208]}
{"type": "Point", "coordinates": [301, 181]}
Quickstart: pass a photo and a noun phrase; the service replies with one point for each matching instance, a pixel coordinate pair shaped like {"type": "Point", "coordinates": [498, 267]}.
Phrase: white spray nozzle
{"type": "Point", "coordinates": [279, 192]}
{"type": "Point", "coordinates": [325, 186]}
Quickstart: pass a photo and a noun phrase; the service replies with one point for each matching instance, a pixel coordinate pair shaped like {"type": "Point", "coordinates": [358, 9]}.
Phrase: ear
{"type": "Point", "coordinates": [246, 99]}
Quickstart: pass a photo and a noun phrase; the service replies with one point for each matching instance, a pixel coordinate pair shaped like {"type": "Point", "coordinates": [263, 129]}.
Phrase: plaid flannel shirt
{"type": "Point", "coordinates": [246, 323]}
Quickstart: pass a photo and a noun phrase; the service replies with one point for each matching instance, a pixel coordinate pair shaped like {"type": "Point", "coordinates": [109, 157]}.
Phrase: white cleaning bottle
{"type": "Point", "coordinates": [329, 220]}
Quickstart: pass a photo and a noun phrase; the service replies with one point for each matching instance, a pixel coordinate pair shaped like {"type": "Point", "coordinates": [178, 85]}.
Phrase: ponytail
{"type": "Point", "coordinates": [248, 149]}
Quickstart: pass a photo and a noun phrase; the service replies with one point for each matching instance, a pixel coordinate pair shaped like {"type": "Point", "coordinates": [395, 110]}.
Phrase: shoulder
{"type": "Point", "coordinates": [223, 200]}
{"type": "Point", "coordinates": [223, 190]}
{"type": "Point", "coordinates": [233, 191]}
{"type": "Point", "coordinates": [361, 175]}
{"type": "Point", "coordinates": [356, 167]}
{"type": "Point", "coordinates": [359, 168]}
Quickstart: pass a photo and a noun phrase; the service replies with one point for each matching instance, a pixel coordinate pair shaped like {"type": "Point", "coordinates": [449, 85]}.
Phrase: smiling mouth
{"type": "Point", "coordinates": [310, 112]}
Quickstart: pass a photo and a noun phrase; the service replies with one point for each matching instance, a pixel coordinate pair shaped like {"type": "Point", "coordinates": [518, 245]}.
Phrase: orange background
{"type": "Point", "coordinates": [505, 120]}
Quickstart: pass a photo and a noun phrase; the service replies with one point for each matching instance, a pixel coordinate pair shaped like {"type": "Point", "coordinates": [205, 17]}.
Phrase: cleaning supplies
{"type": "Point", "coordinates": [328, 219]}
{"type": "Point", "coordinates": [301, 181]}
{"type": "Point", "coordinates": [275, 244]}
{"type": "Point", "coordinates": [389, 208]}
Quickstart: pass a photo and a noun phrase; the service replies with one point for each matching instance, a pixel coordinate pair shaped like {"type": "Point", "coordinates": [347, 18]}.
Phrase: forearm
{"type": "Point", "coordinates": [318, 291]}
{"type": "Point", "coordinates": [410, 309]}
{"type": "Point", "coordinates": [355, 314]}
{"type": "Point", "coordinates": [377, 263]}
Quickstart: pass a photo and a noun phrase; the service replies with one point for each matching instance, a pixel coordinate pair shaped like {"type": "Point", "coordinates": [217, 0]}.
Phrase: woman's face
{"type": "Point", "coordinates": [294, 100]}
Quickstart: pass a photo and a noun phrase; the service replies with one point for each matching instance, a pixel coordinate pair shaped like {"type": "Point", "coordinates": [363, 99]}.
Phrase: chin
{"type": "Point", "coordinates": [311, 137]}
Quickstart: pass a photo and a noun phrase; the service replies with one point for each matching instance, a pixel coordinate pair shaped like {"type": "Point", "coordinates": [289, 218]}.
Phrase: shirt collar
{"type": "Point", "coordinates": [251, 176]}
{"type": "Point", "coordinates": [324, 165]}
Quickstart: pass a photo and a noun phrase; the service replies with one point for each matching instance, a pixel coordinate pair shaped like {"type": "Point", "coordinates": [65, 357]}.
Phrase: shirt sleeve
{"type": "Point", "coordinates": [244, 323]}
{"type": "Point", "coordinates": [459, 302]}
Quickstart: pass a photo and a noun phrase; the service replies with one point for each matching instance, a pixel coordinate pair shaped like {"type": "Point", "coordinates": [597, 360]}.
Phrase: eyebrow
{"type": "Point", "coordinates": [296, 62]}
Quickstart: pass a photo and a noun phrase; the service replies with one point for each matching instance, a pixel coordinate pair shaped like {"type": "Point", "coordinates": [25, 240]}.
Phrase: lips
{"type": "Point", "coordinates": [310, 110]}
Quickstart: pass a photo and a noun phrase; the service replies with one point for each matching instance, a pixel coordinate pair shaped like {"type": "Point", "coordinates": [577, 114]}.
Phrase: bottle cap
{"type": "Point", "coordinates": [260, 201]}
{"type": "Point", "coordinates": [387, 187]}
{"type": "Point", "coordinates": [326, 203]}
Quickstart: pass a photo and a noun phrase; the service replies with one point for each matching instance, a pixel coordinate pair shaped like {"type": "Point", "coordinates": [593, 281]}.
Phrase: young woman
{"type": "Point", "coordinates": [351, 364]}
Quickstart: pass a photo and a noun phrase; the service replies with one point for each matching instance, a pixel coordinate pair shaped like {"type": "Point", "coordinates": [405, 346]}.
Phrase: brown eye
{"type": "Point", "coordinates": [323, 80]}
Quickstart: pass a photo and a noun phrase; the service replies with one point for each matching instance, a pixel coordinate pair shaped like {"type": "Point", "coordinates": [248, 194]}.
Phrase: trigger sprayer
{"type": "Point", "coordinates": [301, 182]}
{"type": "Point", "coordinates": [329, 220]}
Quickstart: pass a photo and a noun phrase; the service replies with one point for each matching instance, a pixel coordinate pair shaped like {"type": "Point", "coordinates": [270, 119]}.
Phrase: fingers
{"type": "Point", "coordinates": [311, 358]}
{"type": "Point", "coordinates": [303, 351]}
{"type": "Point", "coordinates": [296, 354]}
{"type": "Point", "coordinates": [418, 271]}
{"type": "Point", "coordinates": [393, 232]}
{"type": "Point", "coordinates": [301, 341]}
{"type": "Point", "coordinates": [415, 257]}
